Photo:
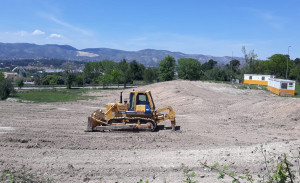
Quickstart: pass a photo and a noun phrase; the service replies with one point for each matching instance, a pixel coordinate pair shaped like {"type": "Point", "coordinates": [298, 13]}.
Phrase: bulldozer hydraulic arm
{"type": "Point", "coordinates": [109, 110]}
{"type": "Point", "coordinates": [170, 116]}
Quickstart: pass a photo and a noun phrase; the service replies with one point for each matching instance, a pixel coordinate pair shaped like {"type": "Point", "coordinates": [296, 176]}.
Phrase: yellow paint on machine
{"type": "Point", "coordinates": [281, 92]}
{"type": "Point", "coordinates": [256, 82]}
{"type": "Point", "coordinates": [140, 108]}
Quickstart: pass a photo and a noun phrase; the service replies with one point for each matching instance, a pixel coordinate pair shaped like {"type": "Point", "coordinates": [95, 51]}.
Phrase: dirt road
{"type": "Point", "coordinates": [217, 122]}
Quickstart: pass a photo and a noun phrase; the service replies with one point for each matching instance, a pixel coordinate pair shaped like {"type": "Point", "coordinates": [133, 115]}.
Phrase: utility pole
{"type": "Point", "coordinates": [287, 62]}
{"type": "Point", "coordinates": [231, 67]}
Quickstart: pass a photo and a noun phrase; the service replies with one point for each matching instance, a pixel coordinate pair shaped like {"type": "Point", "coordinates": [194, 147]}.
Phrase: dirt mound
{"type": "Point", "coordinates": [217, 122]}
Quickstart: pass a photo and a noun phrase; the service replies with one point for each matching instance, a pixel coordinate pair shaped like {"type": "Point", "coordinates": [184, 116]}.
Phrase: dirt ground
{"type": "Point", "coordinates": [216, 122]}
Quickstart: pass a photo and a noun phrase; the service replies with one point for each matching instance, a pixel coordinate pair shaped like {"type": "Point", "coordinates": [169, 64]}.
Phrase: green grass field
{"type": "Point", "coordinates": [253, 87]}
{"type": "Point", "coordinates": [52, 95]}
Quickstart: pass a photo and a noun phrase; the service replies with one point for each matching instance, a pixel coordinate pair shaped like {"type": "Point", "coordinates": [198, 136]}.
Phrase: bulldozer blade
{"type": "Point", "coordinates": [173, 124]}
{"type": "Point", "coordinates": [89, 126]}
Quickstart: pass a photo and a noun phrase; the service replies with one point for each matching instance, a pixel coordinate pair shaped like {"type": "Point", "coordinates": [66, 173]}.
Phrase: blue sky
{"type": "Point", "coordinates": [209, 27]}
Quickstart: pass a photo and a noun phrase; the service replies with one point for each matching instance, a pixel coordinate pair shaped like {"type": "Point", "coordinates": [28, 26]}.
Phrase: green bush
{"type": "Point", "coordinates": [6, 87]}
{"type": "Point", "coordinates": [20, 83]}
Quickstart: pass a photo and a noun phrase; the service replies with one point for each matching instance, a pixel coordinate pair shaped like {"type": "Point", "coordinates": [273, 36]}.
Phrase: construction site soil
{"type": "Point", "coordinates": [215, 123]}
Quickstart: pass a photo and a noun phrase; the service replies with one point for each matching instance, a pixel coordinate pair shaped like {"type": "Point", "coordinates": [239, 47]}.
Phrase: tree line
{"type": "Point", "coordinates": [279, 65]}
{"type": "Point", "coordinates": [109, 72]}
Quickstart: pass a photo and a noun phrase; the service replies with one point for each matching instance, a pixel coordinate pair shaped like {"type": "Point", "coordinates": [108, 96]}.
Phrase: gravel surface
{"type": "Point", "coordinates": [216, 122]}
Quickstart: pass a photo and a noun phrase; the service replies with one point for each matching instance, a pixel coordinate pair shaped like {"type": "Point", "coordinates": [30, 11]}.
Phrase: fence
{"type": "Point", "coordinates": [96, 86]}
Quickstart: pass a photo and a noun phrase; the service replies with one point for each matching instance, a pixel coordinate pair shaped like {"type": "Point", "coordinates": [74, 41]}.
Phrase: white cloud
{"type": "Point", "coordinates": [272, 19]}
{"type": "Point", "coordinates": [56, 36]}
{"type": "Point", "coordinates": [38, 32]}
{"type": "Point", "coordinates": [67, 25]}
{"type": "Point", "coordinates": [21, 33]}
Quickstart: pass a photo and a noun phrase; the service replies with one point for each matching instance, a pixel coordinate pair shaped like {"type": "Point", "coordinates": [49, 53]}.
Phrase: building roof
{"type": "Point", "coordinates": [54, 70]}
{"type": "Point", "coordinates": [283, 80]}
{"type": "Point", "coordinates": [10, 73]}
{"type": "Point", "coordinates": [258, 75]}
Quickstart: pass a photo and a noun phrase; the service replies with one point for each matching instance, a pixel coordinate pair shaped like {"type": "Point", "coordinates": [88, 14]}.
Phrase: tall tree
{"type": "Point", "coordinates": [116, 76]}
{"type": "Point", "coordinates": [137, 70]}
{"type": "Point", "coordinates": [295, 73]}
{"type": "Point", "coordinates": [277, 65]}
{"type": "Point", "coordinates": [108, 66]}
{"type": "Point", "coordinates": [70, 79]}
{"type": "Point", "coordinates": [248, 56]}
{"type": "Point", "coordinates": [150, 74]}
{"type": "Point", "coordinates": [249, 59]}
{"type": "Point", "coordinates": [297, 61]}
{"type": "Point", "coordinates": [166, 68]}
{"type": "Point", "coordinates": [127, 75]}
{"type": "Point", "coordinates": [208, 65]}
{"type": "Point", "coordinates": [79, 79]}
{"type": "Point", "coordinates": [235, 64]}
{"type": "Point", "coordinates": [217, 74]}
{"type": "Point", "coordinates": [91, 71]}
{"type": "Point", "coordinates": [188, 68]}
{"type": "Point", "coordinates": [105, 79]}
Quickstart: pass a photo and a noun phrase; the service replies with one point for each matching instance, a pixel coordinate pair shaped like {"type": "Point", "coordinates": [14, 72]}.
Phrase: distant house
{"type": "Point", "coordinates": [11, 75]}
{"type": "Point", "coordinates": [257, 79]}
{"type": "Point", "coordinates": [282, 87]}
{"type": "Point", "coordinates": [53, 70]}
{"type": "Point", "coordinates": [61, 70]}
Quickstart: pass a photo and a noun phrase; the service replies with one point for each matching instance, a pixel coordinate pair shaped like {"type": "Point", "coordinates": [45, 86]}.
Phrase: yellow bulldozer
{"type": "Point", "coordinates": [138, 114]}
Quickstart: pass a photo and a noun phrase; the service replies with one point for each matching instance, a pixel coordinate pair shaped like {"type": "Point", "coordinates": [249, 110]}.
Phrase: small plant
{"type": "Point", "coordinates": [9, 177]}
{"type": "Point", "coordinates": [275, 170]}
{"type": "Point", "coordinates": [189, 175]}
{"type": "Point", "coordinates": [13, 176]}
{"type": "Point", "coordinates": [225, 171]}
{"type": "Point", "coordinates": [283, 171]}
{"type": "Point", "coordinates": [141, 181]}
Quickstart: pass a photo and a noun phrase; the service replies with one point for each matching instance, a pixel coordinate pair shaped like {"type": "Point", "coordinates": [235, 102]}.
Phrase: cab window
{"type": "Point", "coordinates": [131, 99]}
{"type": "Point", "coordinates": [142, 99]}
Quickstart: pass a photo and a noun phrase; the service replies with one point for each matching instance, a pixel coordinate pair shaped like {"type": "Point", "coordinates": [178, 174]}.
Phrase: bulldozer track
{"type": "Point", "coordinates": [117, 123]}
{"type": "Point", "coordinates": [133, 120]}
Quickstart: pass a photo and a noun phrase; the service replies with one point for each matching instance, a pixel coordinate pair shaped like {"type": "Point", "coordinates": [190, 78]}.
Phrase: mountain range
{"type": "Point", "coordinates": [148, 57]}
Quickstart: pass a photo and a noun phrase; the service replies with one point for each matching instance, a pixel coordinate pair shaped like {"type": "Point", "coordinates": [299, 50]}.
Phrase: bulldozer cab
{"type": "Point", "coordinates": [141, 102]}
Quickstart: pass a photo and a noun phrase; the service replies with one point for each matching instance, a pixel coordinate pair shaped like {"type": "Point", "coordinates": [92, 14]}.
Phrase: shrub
{"type": "Point", "coordinates": [6, 87]}
{"type": "Point", "coordinates": [20, 83]}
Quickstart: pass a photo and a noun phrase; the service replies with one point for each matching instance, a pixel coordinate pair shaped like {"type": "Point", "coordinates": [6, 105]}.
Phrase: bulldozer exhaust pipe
{"type": "Point", "coordinates": [121, 97]}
